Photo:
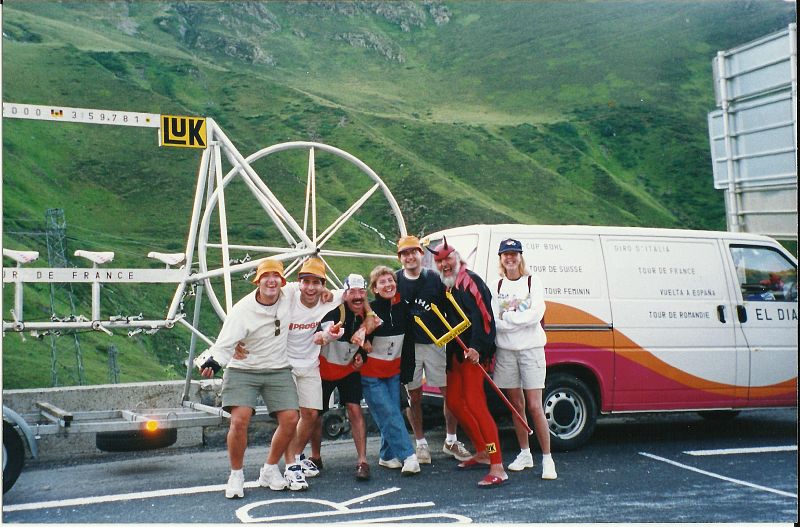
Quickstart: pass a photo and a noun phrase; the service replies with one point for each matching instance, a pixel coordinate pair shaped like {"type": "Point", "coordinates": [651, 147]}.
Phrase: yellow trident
{"type": "Point", "coordinates": [452, 332]}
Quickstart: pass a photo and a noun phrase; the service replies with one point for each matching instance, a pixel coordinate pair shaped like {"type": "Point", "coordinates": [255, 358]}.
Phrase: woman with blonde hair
{"type": "Point", "coordinates": [380, 375]}
{"type": "Point", "coordinates": [520, 367]}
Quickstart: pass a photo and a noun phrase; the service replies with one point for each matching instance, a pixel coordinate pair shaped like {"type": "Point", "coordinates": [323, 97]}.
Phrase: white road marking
{"type": "Point", "coordinates": [394, 519]}
{"type": "Point", "coordinates": [91, 500]}
{"type": "Point", "coordinates": [754, 450]}
{"type": "Point", "coordinates": [342, 509]}
{"type": "Point", "coordinates": [243, 513]}
{"type": "Point", "coordinates": [366, 497]}
{"type": "Point", "coordinates": [719, 476]}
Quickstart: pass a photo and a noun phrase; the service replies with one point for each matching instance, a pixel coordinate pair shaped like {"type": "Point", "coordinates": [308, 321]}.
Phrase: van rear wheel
{"type": "Point", "coordinates": [570, 410]}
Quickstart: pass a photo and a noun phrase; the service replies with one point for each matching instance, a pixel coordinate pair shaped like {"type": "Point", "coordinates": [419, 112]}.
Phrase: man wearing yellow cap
{"type": "Point", "coordinates": [421, 287]}
{"type": "Point", "coordinates": [304, 317]}
{"type": "Point", "coordinates": [258, 321]}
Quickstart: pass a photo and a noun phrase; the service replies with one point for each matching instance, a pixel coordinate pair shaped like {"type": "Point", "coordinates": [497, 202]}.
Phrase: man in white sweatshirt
{"type": "Point", "coordinates": [258, 321]}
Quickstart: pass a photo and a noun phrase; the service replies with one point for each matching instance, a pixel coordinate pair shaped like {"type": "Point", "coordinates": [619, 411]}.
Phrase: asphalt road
{"type": "Point", "coordinates": [649, 468]}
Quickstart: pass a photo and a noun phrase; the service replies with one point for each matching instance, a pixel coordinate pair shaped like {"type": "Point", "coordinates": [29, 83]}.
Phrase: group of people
{"type": "Point", "coordinates": [295, 343]}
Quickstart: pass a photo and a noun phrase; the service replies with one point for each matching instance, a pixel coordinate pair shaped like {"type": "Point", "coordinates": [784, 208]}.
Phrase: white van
{"type": "Point", "coordinates": [642, 320]}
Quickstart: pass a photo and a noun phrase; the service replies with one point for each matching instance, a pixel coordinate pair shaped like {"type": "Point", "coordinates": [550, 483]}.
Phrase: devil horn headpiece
{"type": "Point", "coordinates": [442, 250]}
{"type": "Point", "coordinates": [439, 247]}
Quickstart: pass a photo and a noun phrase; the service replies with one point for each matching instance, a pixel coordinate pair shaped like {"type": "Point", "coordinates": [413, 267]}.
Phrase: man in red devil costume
{"type": "Point", "coordinates": [466, 397]}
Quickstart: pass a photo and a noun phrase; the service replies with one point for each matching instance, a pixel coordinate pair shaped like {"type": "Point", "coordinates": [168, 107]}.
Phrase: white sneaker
{"type": "Point", "coordinates": [524, 460]}
{"type": "Point", "coordinates": [310, 470]}
{"type": "Point", "coordinates": [390, 463]}
{"type": "Point", "coordinates": [235, 486]}
{"type": "Point", "coordinates": [423, 455]}
{"type": "Point", "coordinates": [410, 466]}
{"type": "Point", "coordinates": [295, 478]}
{"type": "Point", "coordinates": [549, 469]}
{"type": "Point", "coordinates": [270, 476]}
{"type": "Point", "coordinates": [457, 450]}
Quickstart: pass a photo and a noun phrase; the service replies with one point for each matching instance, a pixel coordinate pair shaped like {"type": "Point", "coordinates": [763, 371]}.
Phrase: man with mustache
{"type": "Point", "coordinates": [342, 337]}
{"type": "Point", "coordinates": [466, 397]}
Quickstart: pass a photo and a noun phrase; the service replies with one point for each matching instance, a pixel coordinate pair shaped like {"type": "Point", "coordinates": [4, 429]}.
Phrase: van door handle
{"type": "Point", "coordinates": [741, 312]}
{"type": "Point", "coordinates": [721, 313]}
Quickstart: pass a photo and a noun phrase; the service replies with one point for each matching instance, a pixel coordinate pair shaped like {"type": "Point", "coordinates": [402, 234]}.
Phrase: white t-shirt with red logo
{"type": "Point", "coordinates": [303, 321]}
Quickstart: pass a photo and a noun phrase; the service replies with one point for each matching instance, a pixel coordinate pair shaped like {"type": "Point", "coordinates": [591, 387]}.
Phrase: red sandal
{"type": "Point", "coordinates": [492, 481]}
{"type": "Point", "coordinates": [471, 463]}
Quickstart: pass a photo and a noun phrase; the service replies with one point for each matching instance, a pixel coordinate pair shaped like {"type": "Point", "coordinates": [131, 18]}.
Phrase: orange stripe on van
{"type": "Point", "coordinates": [782, 388]}
{"type": "Point", "coordinates": [557, 313]}
{"type": "Point", "coordinates": [637, 354]}
{"type": "Point", "coordinates": [594, 339]}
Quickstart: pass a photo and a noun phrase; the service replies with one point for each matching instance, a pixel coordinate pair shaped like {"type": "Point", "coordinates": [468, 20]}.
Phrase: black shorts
{"type": "Point", "coordinates": [349, 390]}
{"type": "Point", "coordinates": [408, 363]}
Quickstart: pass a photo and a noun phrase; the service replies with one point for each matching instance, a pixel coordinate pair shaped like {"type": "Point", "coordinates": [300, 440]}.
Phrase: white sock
{"type": "Point", "coordinates": [547, 457]}
{"type": "Point", "coordinates": [451, 438]}
{"type": "Point", "coordinates": [422, 442]}
{"type": "Point", "coordinates": [239, 472]}
{"type": "Point", "coordinates": [525, 450]}
{"type": "Point", "coordinates": [297, 459]}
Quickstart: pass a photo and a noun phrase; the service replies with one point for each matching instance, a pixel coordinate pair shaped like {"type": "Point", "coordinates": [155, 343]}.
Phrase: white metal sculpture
{"type": "Point", "coordinates": [209, 206]}
{"type": "Point", "coordinates": [196, 271]}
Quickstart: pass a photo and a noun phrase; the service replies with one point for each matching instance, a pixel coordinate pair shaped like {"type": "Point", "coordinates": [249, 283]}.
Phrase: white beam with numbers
{"type": "Point", "coordinates": [80, 115]}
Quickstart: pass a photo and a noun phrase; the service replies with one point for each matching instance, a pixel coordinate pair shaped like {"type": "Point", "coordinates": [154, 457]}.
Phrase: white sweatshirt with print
{"type": "Point", "coordinates": [518, 314]}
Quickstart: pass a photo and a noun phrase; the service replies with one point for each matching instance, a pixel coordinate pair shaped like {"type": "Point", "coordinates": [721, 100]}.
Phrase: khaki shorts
{"type": "Point", "coordinates": [524, 369]}
{"type": "Point", "coordinates": [430, 358]}
{"type": "Point", "coordinates": [309, 387]}
{"type": "Point", "coordinates": [242, 388]}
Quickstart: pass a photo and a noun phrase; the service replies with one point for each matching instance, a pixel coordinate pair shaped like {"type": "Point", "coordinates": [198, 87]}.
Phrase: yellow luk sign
{"type": "Point", "coordinates": [183, 132]}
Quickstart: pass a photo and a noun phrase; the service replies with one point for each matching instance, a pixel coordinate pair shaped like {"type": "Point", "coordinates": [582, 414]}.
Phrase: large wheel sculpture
{"type": "Point", "coordinates": [352, 187]}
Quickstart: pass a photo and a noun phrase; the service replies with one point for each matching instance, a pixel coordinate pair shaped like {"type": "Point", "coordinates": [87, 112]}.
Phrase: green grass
{"type": "Point", "coordinates": [529, 112]}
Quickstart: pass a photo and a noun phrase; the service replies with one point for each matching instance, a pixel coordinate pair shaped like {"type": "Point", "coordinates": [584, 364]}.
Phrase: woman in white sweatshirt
{"type": "Point", "coordinates": [518, 305]}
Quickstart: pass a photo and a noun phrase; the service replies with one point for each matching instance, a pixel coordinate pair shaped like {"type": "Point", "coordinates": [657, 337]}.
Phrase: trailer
{"type": "Point", "coordinates": [213, 258]}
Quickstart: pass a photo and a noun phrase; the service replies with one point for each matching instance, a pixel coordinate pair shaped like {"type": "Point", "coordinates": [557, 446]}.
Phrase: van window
{"type": "Point", "coordinates": [764, 274]}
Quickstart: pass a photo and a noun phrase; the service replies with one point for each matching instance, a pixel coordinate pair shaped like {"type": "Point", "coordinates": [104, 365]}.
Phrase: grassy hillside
{"type": "Point", "coordinates": [472, 112]}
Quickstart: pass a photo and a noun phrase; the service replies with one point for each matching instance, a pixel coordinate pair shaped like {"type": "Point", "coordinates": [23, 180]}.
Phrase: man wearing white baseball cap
{"type": "Point", "coordinates": [343, 338]}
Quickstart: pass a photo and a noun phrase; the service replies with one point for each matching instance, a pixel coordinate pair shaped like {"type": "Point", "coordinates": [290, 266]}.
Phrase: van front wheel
{"type": "Point", "coordinates": [571, 411]}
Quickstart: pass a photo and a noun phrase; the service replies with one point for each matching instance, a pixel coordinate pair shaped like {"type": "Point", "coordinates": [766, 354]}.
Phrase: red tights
{"type": "Point", "coordinates": [467, 400]}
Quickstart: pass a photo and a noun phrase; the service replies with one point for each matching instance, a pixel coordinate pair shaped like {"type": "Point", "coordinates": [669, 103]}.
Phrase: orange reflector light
{"type": "Point", "coordinates": [151, 426]}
